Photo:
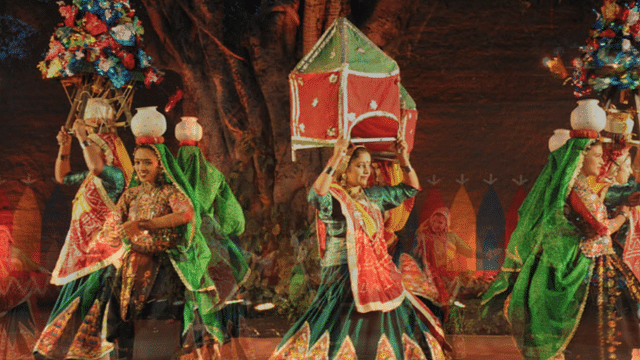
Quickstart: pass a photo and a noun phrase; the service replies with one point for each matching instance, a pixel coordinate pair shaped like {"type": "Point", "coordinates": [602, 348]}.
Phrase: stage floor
{"type": "Point", "coordinates": [258, 338]}
{"type": "Point", "coordinates": [469, 347]}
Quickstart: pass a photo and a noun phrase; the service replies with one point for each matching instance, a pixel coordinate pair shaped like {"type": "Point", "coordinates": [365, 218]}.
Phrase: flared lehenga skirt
{"type": "Point", "coordinates": [75, 327]}
{"type": "Point", "coordinates": [610, 324]}
{"type": "Point", "coordinates": [332, 328]}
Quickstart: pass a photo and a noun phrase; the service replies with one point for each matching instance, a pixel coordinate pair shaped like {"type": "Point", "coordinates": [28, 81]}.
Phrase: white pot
{"type": "Point", "coordinates": [588, 115]}
{"type": "Point", "coordinates": [99, 108]}
{"type": "Point", "coordinates": [619, 122]}
{"type": "Point", "coordinates": [148, 122]}
{"type": "Point", "coordinates": [559, 138]}
{"type": "Point", "coordinates": [188, 129]}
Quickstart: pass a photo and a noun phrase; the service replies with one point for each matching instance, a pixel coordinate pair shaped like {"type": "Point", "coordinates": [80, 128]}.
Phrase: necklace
{"type": "Point", "coordinates": [356, 193]}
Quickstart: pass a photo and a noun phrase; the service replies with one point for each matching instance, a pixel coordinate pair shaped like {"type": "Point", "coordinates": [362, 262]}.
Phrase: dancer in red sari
{"type": "Point", "coordinates": [362, 310]}
{"type": "Point", "coordinates": [85, 266]}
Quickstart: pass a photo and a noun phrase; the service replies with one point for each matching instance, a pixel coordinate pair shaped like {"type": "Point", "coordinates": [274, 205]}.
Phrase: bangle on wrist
{"type": "Point", "coordinates": [64, 157]}
{"type": "Point", "coordinates": [407, 169]}
{"type": "Point", "coordinates": [329, 170]}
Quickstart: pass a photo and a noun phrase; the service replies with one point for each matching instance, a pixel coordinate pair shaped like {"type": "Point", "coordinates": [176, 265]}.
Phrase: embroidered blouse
{"type": "Point", "coordinates": [329, 212]}
{"type": "Point", "coordinates": [145, 202]}
{"type": "Point", "coordinates": [588, 213]}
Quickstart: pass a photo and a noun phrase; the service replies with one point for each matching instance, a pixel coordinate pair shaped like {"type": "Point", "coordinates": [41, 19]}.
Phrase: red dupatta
{"type": "Point", "coordinates": [376, 283]}
{"type": "Point", "coordinates": [82, 254]}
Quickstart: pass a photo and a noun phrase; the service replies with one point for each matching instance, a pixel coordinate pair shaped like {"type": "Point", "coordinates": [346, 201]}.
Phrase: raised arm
{"type": "Point", "coordinates": [322, 183]}
{"type": "Point", "coordinates": [92, 153]}
{"type": "Point", "coordinates": [409, 174]}
{"type": "Point", "coordinates": [63, 167]}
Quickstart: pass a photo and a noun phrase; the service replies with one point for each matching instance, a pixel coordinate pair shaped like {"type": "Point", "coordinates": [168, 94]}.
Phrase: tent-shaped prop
{"type": "Point", "coordinates": [346, 85]}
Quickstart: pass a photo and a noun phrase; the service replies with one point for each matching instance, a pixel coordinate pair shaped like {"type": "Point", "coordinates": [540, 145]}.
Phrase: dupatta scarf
{"type": "Point", "coordinates": [221, 214]}
{"type": "Point", "coordinates": [81, 254]}
{"type": "Point", "coordinates": [541, 286]}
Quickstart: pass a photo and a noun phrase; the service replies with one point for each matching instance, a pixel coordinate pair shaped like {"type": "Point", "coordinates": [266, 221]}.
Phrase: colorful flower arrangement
{"type": "Point", "coordinates": [610, 61]}
{"type": "Point", "coordinates": [102, 37]}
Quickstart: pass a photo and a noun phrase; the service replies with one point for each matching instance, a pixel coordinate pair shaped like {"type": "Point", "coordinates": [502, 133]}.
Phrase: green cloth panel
{"type": "Point", "coordinates": [211, 189]}
{"type": "Point", "coordinates": [328, 313]}
{"type": "Point", "coordinates": [218, 206]}
{"type": "Point", "coordinates": [346, 44]}
{"type": "Point", "coordinates": [544, 271]}
{"type": "Point", "coordinates": [87, 288]}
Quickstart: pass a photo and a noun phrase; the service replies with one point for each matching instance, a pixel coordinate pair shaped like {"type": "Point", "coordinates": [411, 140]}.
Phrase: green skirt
{"type": "Point", "coordinates": [333, 328]}
{"type": "Point", "coordinates": [74, 329]}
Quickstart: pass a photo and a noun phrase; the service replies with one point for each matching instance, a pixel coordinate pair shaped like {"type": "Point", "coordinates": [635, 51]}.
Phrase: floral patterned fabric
{"type": "Point", "coordinates": [81, 255]}
{"type": "Point", "coordinates": [589, 214]}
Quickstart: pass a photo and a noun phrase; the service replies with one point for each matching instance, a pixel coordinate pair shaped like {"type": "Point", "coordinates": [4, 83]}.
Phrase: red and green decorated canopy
{"type": "Point", "coordinates": [346, 85]}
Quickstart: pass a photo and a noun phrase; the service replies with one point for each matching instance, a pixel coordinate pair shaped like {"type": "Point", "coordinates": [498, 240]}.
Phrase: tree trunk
{"type": "Point", "coordinates": [235, 68]}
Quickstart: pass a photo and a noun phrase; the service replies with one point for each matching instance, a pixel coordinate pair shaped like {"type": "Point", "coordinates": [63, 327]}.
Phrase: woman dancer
{"type": "Point", "coordinates": [565, 291]}
{"type": "Point", "coordinates": [85, 267]}
{"type": "Point", "coordinates": [163, 273]}
{"type": "Point", "coordinates": [362, 310]}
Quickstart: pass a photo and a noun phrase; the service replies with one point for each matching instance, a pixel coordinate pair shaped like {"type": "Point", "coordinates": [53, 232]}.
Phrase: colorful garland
{"type": "Point", "coordinates": [102, 37]}
{"type": "Point", "coordinates": [610, 61]}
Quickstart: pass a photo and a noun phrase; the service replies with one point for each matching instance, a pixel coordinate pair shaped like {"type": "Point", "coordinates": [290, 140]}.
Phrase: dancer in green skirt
{"type": "Point", "coordinates": [362, 310]}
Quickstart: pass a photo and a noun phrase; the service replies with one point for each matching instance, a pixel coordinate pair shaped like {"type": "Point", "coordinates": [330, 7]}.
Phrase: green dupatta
{"type": "Point", "coordinates": [218, 204]}
{"type": "Point", "coordinates": [190, 259]}
{"type": "Point", "coordinates": [543, 278]}
{"type": "Point", "coordinates": [211, 189]}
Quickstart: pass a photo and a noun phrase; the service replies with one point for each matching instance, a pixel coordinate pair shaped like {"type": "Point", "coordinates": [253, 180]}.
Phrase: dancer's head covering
{"type": "Point", "coordinates": [100, 115]}
{"type": "Point", "coordinates": [211, 189]}
{"type": "Point", "coordinates": [432, 203]}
